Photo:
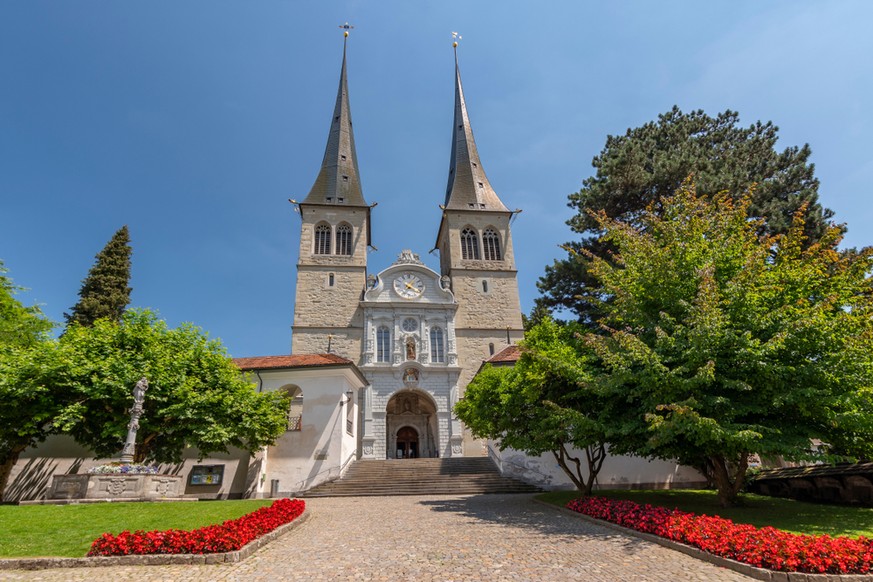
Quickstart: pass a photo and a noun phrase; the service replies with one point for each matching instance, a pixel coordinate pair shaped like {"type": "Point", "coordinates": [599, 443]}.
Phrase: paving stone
{"type": "Point", "coordinates": [449, 539]}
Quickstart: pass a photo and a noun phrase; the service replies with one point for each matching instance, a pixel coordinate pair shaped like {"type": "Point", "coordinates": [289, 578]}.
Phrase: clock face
{"type": "Point", "coordinates": [408, 286]}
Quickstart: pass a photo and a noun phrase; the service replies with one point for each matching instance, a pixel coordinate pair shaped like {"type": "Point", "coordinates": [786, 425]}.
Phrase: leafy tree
{"type": "Point", "coordinates": [636, 170]}
{"type": "Point", "coordinates": [196, 397]}
{"type": "Point", "coordinates": [20, 326]}
{"type": "Point", "coordinates": [542, 404]}
{"type": "Point", "coordinates": [719, 343]}
{"type": "Point", "coordinates": [105, 291]}
{"type": "Point", "coordinates": [26, 408]}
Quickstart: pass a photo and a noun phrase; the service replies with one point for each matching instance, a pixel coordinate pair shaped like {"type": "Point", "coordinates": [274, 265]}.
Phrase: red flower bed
{"type": "Point", "coordinates": [231, 535]}
{"type": "Point", "coordinates": [766, 547]}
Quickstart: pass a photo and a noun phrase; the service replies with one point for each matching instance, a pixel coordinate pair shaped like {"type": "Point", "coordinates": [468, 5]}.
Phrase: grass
{"type": "Point", "coordinates": [758, 510]}
{"type": "Point", "coordinates": [68, 530]}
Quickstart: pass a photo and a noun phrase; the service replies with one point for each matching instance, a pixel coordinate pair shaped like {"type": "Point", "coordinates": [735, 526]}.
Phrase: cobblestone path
{"type": "Point", "coordinates": [483, 537]}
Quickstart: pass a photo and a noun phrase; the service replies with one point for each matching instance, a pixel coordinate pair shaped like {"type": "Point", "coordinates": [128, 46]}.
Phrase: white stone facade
{"type": "Point", "coordinates": [412, 366]}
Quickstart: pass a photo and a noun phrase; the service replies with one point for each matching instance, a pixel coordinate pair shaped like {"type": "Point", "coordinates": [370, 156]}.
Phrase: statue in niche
{"type": "Point", "coordinates": [410, 375]}
{"type": "Point", "coordinates": [410, 348]}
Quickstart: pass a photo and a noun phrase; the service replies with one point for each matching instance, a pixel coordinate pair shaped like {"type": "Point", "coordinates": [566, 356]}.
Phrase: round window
{"type": "Point", "coordinates": [409, 324]}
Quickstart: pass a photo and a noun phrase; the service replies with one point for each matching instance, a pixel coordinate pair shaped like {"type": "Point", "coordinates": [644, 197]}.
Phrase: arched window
{"type": "Point", "coordinates": [469, 244]}
{"type": "Point", "coordinates": [295, 411]}
{"type": "Point", "coordinates": [322, 239]}
{"type": "Point", "coordinates": [383, 344]}
{"type": "Point", "coordinates": [344, 239]}
{"type": "Point", "coordinates": [437, 350]}
{"type": "Point", "coordinates": [491, 245]}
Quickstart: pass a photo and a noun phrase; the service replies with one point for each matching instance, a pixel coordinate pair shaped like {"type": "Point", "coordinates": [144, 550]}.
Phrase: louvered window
{"type": "Point", "coordinates": [344, 239]}
{"type": "Point", "coordinates": [469, 244]}
{"type": "Point", "coordinates": [491, 245]}
{"type": "Point", "coordinates": [322, 239]}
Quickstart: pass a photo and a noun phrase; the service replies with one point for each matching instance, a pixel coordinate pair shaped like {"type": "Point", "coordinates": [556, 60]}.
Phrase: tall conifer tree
{"type": "Point", "coordinates": [105, 291]}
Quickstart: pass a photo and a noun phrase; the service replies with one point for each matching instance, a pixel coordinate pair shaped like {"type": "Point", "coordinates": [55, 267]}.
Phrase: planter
{"type": "Point", "coordinates": [117, 487]}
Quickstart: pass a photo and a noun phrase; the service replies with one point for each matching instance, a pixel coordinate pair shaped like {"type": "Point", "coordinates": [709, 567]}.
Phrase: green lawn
{"type": "Point", "coordinates": [784, 514]}
{"type": "Point", "coordinates": [68, 530]}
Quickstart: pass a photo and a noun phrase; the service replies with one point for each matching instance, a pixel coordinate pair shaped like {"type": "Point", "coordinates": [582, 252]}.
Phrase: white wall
{"type": "Point", "coordinates": [322, 449]}
{"type": "Point", "coordinates": [618, 472]}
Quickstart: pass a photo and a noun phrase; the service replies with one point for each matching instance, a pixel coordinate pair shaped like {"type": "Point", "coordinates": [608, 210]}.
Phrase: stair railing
{"type": "Point", "coordinates": [333, 473]}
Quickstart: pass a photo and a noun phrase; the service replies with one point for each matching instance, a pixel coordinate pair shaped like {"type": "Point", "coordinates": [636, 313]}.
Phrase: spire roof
{"type": "Point", "coordinates": [338, 181]}
{"type": "Point", "coordinates": [468, 186]}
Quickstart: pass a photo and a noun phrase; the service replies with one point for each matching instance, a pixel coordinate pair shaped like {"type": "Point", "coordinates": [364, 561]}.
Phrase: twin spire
{"type": "Point", "coordinates": [339, 182]}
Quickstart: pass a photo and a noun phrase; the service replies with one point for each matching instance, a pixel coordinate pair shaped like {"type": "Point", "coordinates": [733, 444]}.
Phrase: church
{"type": "Point", "coordinates": [378, 360]}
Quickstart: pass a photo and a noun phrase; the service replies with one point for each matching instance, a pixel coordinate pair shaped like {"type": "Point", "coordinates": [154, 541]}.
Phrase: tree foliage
{"type": "Point", "coordinates": [105, 291]}
{"type": "Point", "coordinates": [719, 343]}
{"type": "Point", "coordinates": [636, 170]}
{"type": "Point", "coordinates": [196, 397]}
{"type": "Point", "coordinates": [26, 406]}
{"type": "Point", "coordinates": [20, 326]}
{"type": "Point", "coordinates": [542, 404]}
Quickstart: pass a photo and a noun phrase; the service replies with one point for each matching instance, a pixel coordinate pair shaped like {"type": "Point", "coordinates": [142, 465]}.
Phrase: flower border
{"type": "Point", "coordinates": [227, 537]}
{"type": "Point", "coordinates": [763, 548]}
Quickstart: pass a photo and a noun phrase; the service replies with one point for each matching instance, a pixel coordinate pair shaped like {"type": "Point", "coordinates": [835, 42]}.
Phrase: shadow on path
{"type": "Point", "coordinates": [522, 512]}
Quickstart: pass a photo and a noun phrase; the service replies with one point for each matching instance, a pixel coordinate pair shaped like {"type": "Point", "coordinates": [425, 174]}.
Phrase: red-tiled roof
{"type": "Point", "coordinates": [508, 355]}
{"type": "Point", "coordinates": [290, 361]}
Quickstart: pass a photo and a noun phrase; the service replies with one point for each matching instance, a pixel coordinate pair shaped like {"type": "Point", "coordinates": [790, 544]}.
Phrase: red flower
{"type": "Point", "coordinates": [227, 537]}
{"type": "Point", "coordinates": [766, 547]}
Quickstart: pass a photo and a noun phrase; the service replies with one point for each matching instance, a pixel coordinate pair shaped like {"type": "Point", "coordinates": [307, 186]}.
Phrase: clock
{"type": "Point", "coordinates": [408, 286]}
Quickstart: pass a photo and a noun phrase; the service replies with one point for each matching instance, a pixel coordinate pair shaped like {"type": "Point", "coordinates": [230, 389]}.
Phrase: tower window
{"type": "Point", "coordinates": [469, 244]}
{"type": "Point", "coordinates": [344, 239]}
{"type": "Point", "coordinates": [485, 286]}
{"type": "Point", "coordinates": [491, 349]}
{"type": "Point", "coordinates": [383, 344]}
{"type": "Point", "coordinates": [437, 350]}
{"type": "Point", "coordinates": [491, 245]}
{"type": "Point", "coordinates": [322, 239]}
{"type": "Point", "coordinates": [345, 178]}
{"type": "Point", "coordinates": [331, 279]}
{"type": "Point", "coordinates": [342, 157]}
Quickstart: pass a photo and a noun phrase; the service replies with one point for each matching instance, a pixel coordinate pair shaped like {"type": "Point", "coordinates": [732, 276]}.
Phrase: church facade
{"type": "Point", "coordinates": [417, 335]}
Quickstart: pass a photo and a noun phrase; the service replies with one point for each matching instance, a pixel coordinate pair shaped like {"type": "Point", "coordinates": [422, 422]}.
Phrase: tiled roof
{"type": "Point", "coordinates": [508, 355]}
{"type": "Point", "coordinates": [290, 361]}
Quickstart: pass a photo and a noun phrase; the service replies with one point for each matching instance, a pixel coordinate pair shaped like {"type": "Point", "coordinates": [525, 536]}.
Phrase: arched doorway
{"type": "Point", "coordinates": [411, 425]}
{"type": "Point", "coordinates": [407, 443]}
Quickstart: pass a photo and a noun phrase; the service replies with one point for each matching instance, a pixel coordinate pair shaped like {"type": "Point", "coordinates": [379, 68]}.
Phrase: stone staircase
{"type": "Point", "coordinates": [454, 476]}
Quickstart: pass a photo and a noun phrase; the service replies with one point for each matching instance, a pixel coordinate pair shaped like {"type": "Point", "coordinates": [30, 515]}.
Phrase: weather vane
{"type": "Point", "coordinates": [455, 38]}
{"type": "Point", "coordinates": [346, 28]}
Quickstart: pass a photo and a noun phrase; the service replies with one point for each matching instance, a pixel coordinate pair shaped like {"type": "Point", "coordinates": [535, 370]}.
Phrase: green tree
{"type": "Point", "coordinates": [105, 291]}
{"type": "Point", "coordinates": [20, 326]}
{"type": "Point", "coordinates": [720, 343]}
{"type": "Point", "coordinates": [542, 404]}
{"type": "Point", "coordinates": [26, 408]}
{"type": "Point", "coordinates": [197, 397]}
{"type": "Point", "coordinates": [636, 170]}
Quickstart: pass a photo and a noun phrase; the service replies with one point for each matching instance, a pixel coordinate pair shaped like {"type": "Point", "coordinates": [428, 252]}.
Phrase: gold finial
{"type": "Point", "coordinates": [456, 37]}
{"type": "Point", "coordinates": [346, 28]}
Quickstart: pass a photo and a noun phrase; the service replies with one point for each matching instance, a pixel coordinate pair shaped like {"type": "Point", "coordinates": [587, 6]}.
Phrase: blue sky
{"type": "Point", "coordinates": [194, 122]}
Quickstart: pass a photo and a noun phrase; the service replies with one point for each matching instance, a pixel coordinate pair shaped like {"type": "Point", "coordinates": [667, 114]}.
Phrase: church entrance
{"type": "Point", "coordinates": [407, 443]}
{"type": "Point", "coordinates": [411, 425]}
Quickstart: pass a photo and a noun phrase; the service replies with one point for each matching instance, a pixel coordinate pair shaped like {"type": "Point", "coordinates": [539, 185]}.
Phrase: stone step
{"type": "Point", "coordinates": [465, 475]}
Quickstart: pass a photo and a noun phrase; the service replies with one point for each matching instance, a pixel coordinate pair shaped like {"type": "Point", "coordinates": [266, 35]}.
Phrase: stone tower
{"type": "Point", "coordinates": [334, 237]}
{"type": "Point", "coordinates": [475, 246]}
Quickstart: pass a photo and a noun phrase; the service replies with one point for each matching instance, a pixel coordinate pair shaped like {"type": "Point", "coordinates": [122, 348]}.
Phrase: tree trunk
{"type": "Point", "coordinates": [728, 483]}
{"type": "Point", "coordinates": [595, 455]}
{"type": "Point", "coordinates": [6, 468]}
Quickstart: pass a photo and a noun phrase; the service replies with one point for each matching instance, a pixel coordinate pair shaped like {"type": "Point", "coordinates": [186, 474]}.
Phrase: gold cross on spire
{"type": "Point", "coordinates": [346, 28]}
{"type": "Point", "coordinates": [455, 38]}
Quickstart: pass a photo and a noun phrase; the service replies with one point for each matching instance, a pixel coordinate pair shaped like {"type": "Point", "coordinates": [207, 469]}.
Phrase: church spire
{"type": "Point", "coordinates": [339, 182]}
{"type": "Point", "coordinates": [468, 186]}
